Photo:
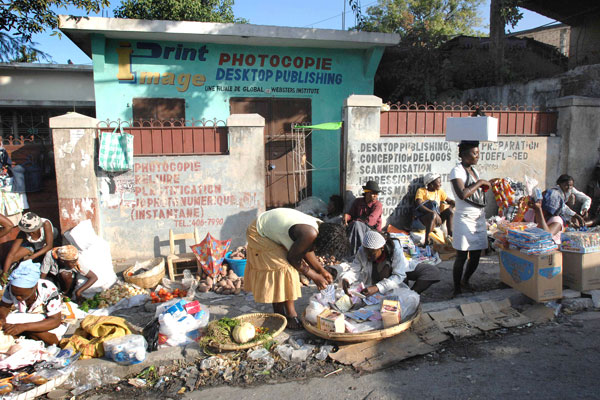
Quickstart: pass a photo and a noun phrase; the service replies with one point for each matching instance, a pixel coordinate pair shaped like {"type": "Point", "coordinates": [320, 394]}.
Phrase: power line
{"type": "Point", "coordinates": [336, 16]}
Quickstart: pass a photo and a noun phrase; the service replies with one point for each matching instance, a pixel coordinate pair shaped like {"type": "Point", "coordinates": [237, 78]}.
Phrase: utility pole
{"type": "Point", "coordinates": [497, 39]}
{"type": "Point", "coordinates": [344, 16]}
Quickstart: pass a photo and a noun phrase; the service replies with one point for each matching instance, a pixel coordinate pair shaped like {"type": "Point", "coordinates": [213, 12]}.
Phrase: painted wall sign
{"type": "Point", "coordinates": [207, 75]}
{"type": "Point", "coordinates": [399, 164]}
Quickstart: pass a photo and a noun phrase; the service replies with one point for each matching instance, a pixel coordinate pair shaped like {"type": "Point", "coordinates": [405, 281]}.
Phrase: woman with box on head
{"type": "Point", "coordinates": [433, 207]}
{"type": "Point", "coordinates": [380, 264]}
{"type": "Point", "coordinates": [546, 213]}
{"type": "Point", "coordinates": [278, 241]}
{"type": "Point", "coordinates": [470, 228]}
{"type": "Point", "coordinates": [573, 199]}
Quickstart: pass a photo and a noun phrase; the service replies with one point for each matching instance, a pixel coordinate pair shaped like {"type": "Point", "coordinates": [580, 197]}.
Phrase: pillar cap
{"type": "Point", "coordinates": [361, 100]}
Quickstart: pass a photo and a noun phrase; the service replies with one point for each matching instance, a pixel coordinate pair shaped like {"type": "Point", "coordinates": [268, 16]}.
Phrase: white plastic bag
{"type": "Point", "coordinates": [409, 301]}
{"type": "Point", "coordinates": [98, 259]}
{"type": "Point", "coordinates": [126, 350]}
{"type": "Point", "coordinates": [313, 310]}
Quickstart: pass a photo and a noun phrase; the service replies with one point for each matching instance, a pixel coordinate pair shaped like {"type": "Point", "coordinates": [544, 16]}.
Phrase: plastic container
{"type": "Point", "coordinates": [126, 350]}
{"type": "Point", "coordinates": [238, 266]}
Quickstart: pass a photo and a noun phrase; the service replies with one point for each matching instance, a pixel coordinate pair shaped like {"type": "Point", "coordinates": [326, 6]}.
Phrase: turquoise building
{"type": "Point", "coordinates": [161, 70]}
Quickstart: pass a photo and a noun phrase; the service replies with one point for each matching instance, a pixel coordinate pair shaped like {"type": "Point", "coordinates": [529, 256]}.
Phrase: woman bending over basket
{"type": "Point", "coordinates": [278, 241]}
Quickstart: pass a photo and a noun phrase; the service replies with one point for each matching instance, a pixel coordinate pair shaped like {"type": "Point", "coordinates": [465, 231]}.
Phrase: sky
{"type": "Point", "coordinates": [323, 14]}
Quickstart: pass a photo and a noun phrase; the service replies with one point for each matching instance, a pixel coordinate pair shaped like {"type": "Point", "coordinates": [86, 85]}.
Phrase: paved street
{"type": "Point", "coordinates": [555, 361]}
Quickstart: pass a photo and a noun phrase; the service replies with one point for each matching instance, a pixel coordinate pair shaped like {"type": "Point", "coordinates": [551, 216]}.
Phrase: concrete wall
{"type": "Point", "coordinates": [579, 127]}
{"type": "Point", "coordinates": [584, 39]}
{"type": "Point", "coordinates": [46, 84]}
{"type": "Point", "coordinates": [217, 194]}
{"type": "Point", "coordinates": [399, 163]}
{"type": "Point", "coordinates": [74, 140]}
{"type": "Point", "coordinates": [580, 81]}
{"type": "Point", "coordinates": [134, 210]}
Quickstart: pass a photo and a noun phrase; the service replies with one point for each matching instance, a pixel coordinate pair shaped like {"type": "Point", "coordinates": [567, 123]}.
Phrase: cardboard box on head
{"type": "Point", "coordinates": [483, 129]}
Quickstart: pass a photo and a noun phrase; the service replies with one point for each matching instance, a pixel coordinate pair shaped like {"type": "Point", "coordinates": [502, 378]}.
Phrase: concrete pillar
{"type": "Point", "coordinates": [362, 122]}
{"type": "Point", "coordinates": [74, 138]}
{"type": "Point", "coordinates": [247, 147]}
{"type": "Point", "coordinates": [579, 129]}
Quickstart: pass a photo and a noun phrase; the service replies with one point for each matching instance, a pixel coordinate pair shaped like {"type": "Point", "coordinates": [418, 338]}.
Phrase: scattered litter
{"type": "Point", "coordinates": [323, 352]}
{"type": "Point", "coordinates": [335, 372]}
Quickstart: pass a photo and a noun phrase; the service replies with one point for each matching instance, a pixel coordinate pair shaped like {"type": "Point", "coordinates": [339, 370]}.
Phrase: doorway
{"type": "Point", "coordinates": [284, 186]}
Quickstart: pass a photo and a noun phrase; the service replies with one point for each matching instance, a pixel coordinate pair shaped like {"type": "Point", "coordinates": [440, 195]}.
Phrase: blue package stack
{"type": "Point", "coordinates": [531, 241]}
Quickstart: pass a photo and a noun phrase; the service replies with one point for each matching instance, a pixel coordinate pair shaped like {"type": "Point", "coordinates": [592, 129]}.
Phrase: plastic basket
{"type": "Point", "coordinates": [238, 266]}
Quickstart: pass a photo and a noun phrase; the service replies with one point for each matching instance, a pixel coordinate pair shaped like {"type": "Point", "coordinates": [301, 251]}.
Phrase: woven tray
{"type": "Point", "coordinates": [148, 279]}
{"type": "Point", "coordinates": [42, 389]}
{"type": "Point", "coordinates": [275, 322]}
{"type": "Point", "coordinates": [362, 336]}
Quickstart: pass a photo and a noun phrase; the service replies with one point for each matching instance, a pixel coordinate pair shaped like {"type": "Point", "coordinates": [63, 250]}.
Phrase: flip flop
{"type": "Point", "coordinates": [294, 324]}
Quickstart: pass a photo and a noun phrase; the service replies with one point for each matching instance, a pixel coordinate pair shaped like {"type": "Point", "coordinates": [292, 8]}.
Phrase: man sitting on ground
{"type": "Point", "coordinates": [380, 264]}
{"type": "Point", "coordinates": [364, 215]}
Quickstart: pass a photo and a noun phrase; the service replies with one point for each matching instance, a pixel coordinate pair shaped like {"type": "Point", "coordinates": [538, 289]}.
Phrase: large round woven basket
{"type": "Point", "coordinates": [148, 279]}
{"type": "Point", "coordinates": [276, 323]}
{"type": "Point", "coordinates": [363, 336]}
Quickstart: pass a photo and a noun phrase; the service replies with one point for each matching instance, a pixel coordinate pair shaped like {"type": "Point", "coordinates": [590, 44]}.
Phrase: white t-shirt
{"type": "Point", "coordinates": [459, 172]}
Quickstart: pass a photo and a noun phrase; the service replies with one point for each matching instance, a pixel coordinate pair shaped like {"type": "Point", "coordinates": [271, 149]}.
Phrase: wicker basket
{"type": "Point", "coordinates": [148, 279]}
{"type": "Point", "coordinates": [275, 322]}
{"type": "Point", "coordinates": [363, 336]}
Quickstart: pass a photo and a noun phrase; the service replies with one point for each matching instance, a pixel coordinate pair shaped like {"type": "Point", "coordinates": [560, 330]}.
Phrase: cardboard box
{"type": "Point", "coordinates": [472, 128]}
{"type": "Point", "coordinates": [391, 313]}
{"type": "Point", "coordinates": [581, 271]}
{"type": "Point", "coordinates": [536, 276]}
{"type": "Point", "coordinates": [331, 321]}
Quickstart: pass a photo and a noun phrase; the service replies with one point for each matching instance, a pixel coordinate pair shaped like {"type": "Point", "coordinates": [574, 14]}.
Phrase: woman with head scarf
{"type": "Point", "coordinates": [433, 207]}
{"type": "Point", "coordinates": [33, 242]}
{"type": "Point", "coordinates": [546, 213]}
{"type": "Point", "coordinates": [470, 228]}
{"type": "Point", "coordinates": [380, 264]}
{"type": "Point", "coordinates": [61, 266]}
{"type": "Point", "coordinates": [278, 243]}
{"type": "Point", "coordinates": [37, 305]}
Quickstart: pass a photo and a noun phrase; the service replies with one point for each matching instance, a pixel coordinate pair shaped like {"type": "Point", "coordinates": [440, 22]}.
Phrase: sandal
{"type": "Point", "coordinates": [294, 324]}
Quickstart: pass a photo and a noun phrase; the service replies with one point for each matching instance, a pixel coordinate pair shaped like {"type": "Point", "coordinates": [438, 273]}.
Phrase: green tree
{"type": "Point", "coordinates": [179, 10]}
{"type": "Point", "coordinates": [439, 18]}
{"type": "Point", "coordinates": [412, 71]}
{"type": "Point", "coordinates": [21, 19]}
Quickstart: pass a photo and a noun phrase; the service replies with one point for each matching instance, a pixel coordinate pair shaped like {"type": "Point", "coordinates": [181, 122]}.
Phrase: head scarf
{"type": "Point", "coordinates": [66, 253]}
{"type": "Point", "coordinates": [373, 240]}
{"type": "Point", "coordinates": [30, 222]}
{"type": "Point", "coordinates": [26, 275]}
{"type": "Point", "coordinates": [553, 202]}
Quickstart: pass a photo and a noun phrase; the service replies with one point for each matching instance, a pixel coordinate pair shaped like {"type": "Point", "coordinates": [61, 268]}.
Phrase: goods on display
{"type": "Point", "coordinates": [163, 295]}
{"type": "Point", "coordinates": [109, 297]}
{"type": "Point", "coordinates": [233, 331]}
{"type": "Point", "coordinates": [126, 350]}
{"type": "Point", "coordinates": [580, 242]}
{"type": "Point", "coordinates": [531, 240]}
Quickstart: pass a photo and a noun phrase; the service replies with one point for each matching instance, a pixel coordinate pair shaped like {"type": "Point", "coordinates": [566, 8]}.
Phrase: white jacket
{"type": "Point", "coordinates": [361, 270]}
